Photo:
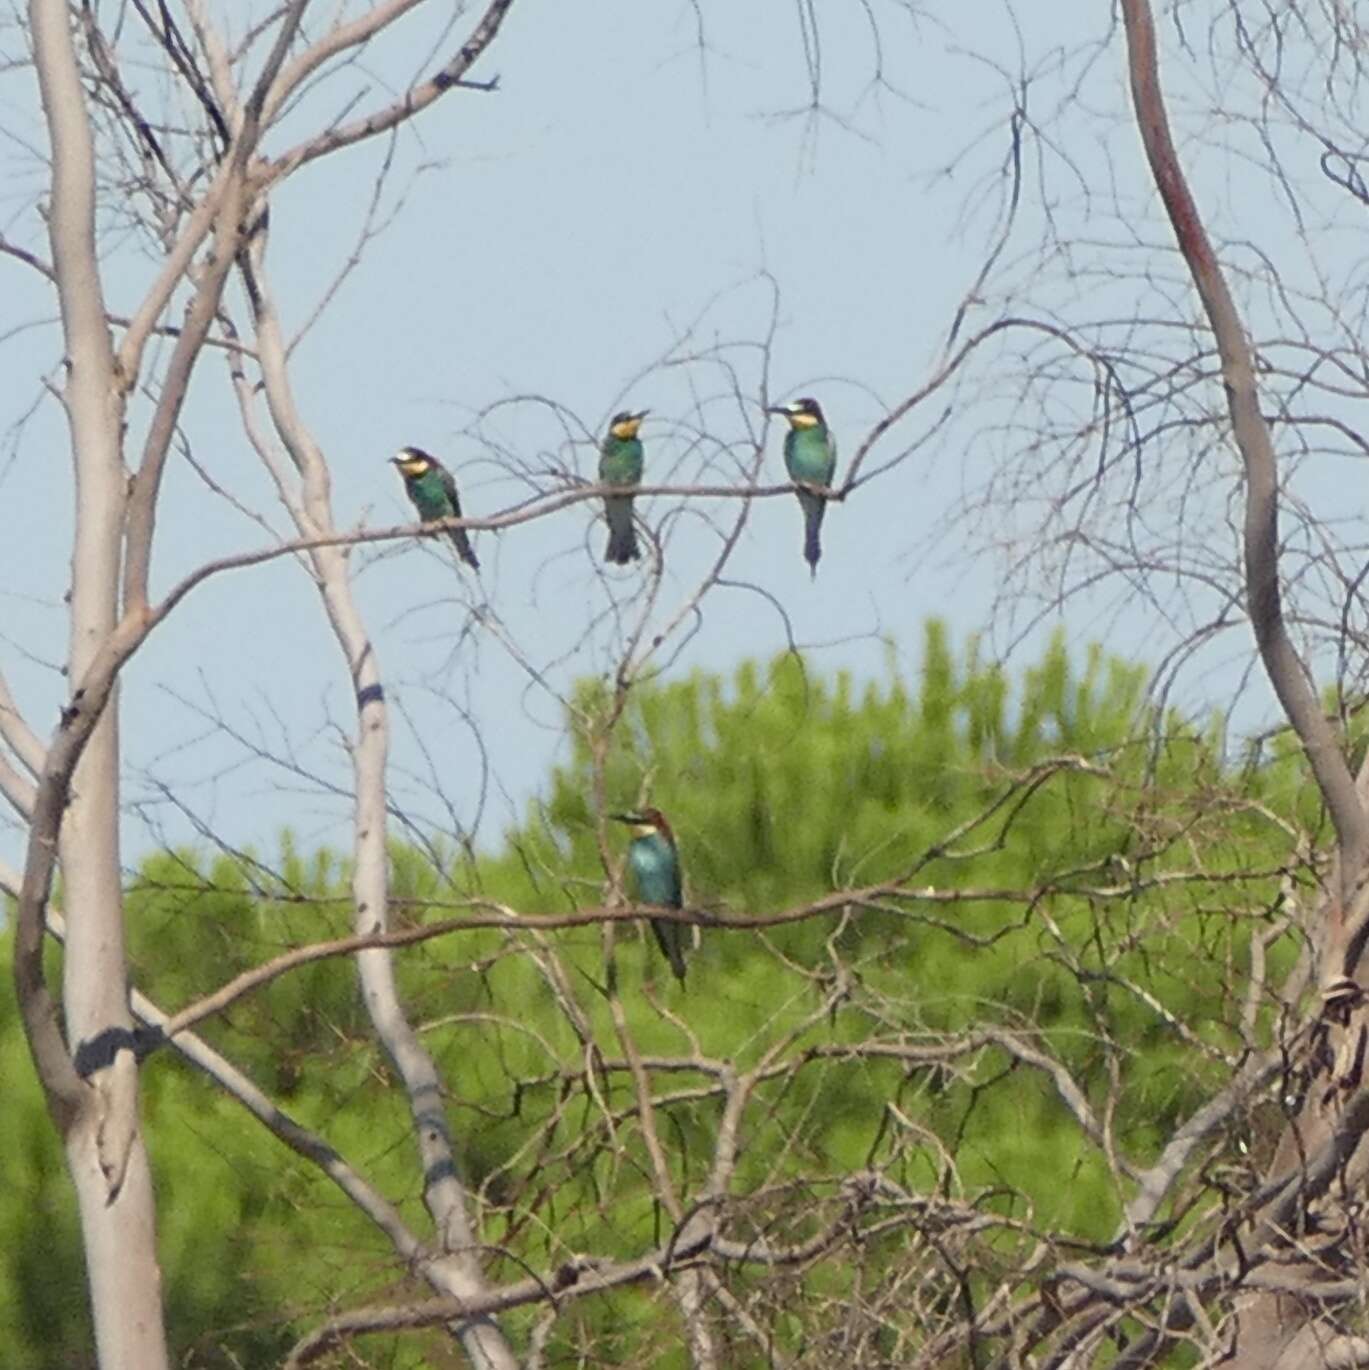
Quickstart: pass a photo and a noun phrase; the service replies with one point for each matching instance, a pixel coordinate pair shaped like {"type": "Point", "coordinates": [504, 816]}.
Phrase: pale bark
{"type": "Point", "coordinates": [17, 734]}
{"type": "Point", "coordinates": [75, 804]}
{"type": "Point", "coordinates": [1334, 1116]}
{"type": "Point", "coordinates": [232, 1081]}
{"type": "Point", "coordinates": [1264, 601]}
{"type": "Point", "coordinates": [455, 1270]}
{"type": "Point", "coordinates": [99, 1118]}
{"type": "Point", "coordinates": [397, 111]}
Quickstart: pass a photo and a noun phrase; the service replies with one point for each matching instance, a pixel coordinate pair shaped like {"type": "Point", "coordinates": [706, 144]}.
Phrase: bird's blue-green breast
{"type": "Point", "coordinates": [429, 495]}
{"type": "Point", "coordinates": [620, 462]}
{"type": "Point", "coordinates": [809, 454]}
{"type": "Point", "coordinates": [656, 870]}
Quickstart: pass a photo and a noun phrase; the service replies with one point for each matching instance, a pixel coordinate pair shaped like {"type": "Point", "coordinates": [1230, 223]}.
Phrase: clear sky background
{"type": "Point", "coordinates": [623, 223]}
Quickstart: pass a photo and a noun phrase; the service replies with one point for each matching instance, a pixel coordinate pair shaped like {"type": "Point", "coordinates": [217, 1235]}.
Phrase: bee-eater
{"type": "Point", "coordinates": [810, 454]}
{"type": "Point", "coordinates": [620, 463]}
{"type": "Point", "coordinates": [655, 866]}
{"type": "Point", "coordinates": [433, 491]}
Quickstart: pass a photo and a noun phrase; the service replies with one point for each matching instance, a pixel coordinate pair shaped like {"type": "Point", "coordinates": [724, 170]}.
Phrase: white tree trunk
{"type": "Point", "coordinates": [103, 1145]}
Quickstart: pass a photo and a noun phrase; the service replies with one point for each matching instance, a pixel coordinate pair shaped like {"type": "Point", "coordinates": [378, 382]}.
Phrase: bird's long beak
{"type": "Point", "coordinates": [627, 818]}
{"type": "Point", "coordinates": [778, 409]}
{"type": "Point", "coordinates": [394, 461]}
{"type": "Point", "coordinates": [641, 414]}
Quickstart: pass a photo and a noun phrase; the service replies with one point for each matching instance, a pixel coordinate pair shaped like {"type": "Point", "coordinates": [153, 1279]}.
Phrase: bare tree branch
{"type": "Point", "coordinates": [1286, 672]}
{"type": "Point", "coordinates": [458, 1272]}
{"type": "Point", "coordinates": [412, 102]}
{"type": "Point", "coordinates": [91, 1088]}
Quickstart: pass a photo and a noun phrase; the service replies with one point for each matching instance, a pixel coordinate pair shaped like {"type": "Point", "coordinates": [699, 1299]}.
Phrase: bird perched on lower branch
{"type": "Point", "coordinates": [433, 491]}
{"type": "Point", "coordinates": [655, 865]}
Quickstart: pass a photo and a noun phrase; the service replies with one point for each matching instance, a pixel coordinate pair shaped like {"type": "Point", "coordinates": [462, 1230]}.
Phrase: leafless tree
{"type": "Point", "coordinates": [1253, 1256]}
{"type": "Point", "coordinates": [208, 190]}
{"type": "Point", "coordinates": [1195, 492]}
{"type": "Point", "coordinates": [181, 165]}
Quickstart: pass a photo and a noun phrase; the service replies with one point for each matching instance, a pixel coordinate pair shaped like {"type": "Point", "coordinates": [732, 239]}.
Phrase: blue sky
{"type": "Point", "coordinates": [622, 223]}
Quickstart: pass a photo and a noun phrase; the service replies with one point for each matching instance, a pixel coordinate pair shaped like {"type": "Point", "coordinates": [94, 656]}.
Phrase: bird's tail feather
{"type": "Point", "coordinates": [670, 936]}
{"type": "Point", "coordinates": [464, 549]}
{"type": "Point", "coordinates": [622, 546]}
{"type": "Point", "coordinates": [814, 507]}
{"type": "Point", "coordinates": [622, 533]}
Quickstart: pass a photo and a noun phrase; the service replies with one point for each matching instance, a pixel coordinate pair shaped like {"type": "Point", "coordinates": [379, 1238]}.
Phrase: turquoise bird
{"type": "Point", "coordinates": [655, 865]}
{"type": "Point", "coordinates": [433, 491]}
{"type": "Point", "coordinates": [810, 456]}
{"type": "Point", "coordinates": [620, 463]}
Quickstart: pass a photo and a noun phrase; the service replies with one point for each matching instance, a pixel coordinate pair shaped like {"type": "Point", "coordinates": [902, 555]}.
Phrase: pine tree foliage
{"type": "Point", "coordinates": [1040, 878]}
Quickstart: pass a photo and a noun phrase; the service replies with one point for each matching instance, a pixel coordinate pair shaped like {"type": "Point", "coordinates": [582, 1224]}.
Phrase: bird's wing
{"type": "Point", "coordinates": [449, 487]}
{"type": "Point", "coordinates": [620, 463]}
{"type": "Point", "coordinates": [673, 872]}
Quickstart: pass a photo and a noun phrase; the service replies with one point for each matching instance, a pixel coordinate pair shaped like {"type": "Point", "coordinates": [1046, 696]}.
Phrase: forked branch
{"type": "Point", "coordinates": [1264, 602]}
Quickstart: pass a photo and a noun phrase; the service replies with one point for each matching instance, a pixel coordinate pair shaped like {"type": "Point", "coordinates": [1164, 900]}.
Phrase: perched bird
{"type": "Point", "coordinates": [433, 491]}
{"type": "Point", "coordinates": [655, 868]}
{"type": "Point", "coordinates": [810, 454]}
{"type": "Point", "coordinates": [620, 463]}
